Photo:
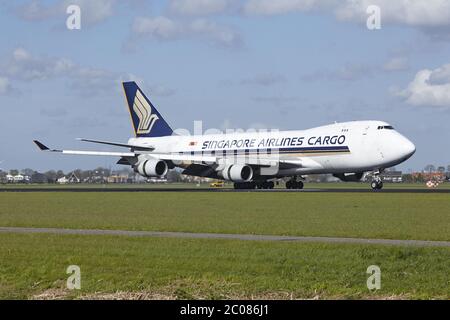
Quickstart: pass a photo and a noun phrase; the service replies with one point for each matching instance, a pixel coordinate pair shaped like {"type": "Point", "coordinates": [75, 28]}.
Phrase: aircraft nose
{"type": "Point", "coordinates": [407, 147]}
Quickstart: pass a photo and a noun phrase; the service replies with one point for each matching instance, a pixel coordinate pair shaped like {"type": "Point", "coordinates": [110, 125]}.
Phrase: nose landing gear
{"type": "Point", "coordinates": [377, 183]}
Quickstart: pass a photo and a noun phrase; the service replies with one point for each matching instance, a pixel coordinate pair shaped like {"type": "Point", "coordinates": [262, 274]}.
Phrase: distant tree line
{"type": "Point", "coordinates": [98, 175]}
{"type": "Point", "coordinates": [101, 175]}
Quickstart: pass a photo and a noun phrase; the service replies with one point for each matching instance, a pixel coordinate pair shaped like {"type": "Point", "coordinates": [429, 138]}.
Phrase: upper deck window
{"type": "Point", "coordinates": [386, 127]}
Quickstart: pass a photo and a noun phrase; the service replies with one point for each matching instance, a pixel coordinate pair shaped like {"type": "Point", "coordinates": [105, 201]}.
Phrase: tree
{"type": "Point", "coordinates": [59, 174]}
{"type": "Point", "coordinates": [78, 173]}
{"type": "Point", "coordinates": [407, 178]}
{"type": "Point", "coordinates": [103, 172]}
{"type": "Point", "coordinates": [14, 172]}
{"type": "Point", "coordinates": [28, 172]}
{"type": "Point", "coordinates": [39, 178]}
{"type": "Point", "coordinates": [51, 176]}
{"type": "Point", "coordinates": [430, 168]}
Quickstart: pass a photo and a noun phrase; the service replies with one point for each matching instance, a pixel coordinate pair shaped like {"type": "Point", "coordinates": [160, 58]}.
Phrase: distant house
{"type": "Point", "coordinates": [392, 176]}
{"type": "Point", "coordinates": [62, 180]}
{"type": "Point", "coordinates": [117, 179]}
{"type": "Point", "coordinates": [427, 176]}
{"type": "Point", "coordinates": [156, 180]}
{"type": "Point", "coordinates": [73, 178]}
{"type": "Point", "coordinates": [18, 178]}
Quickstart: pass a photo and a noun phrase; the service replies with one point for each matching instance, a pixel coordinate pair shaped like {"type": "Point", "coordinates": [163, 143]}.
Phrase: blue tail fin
{"type": "Point", "coordinates": [147, 122]}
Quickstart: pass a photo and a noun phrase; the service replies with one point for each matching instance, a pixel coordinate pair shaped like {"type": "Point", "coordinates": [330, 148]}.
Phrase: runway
{"type": "Point", "coordinates": [244, 237]}
{"type": "Point", "coordinates": [168, 189]}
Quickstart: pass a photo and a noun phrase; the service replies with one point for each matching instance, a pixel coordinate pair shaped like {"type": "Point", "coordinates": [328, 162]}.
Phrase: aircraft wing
{"type": "Point", "coordinates": [43, 147]}
{"type": "Point", "coordinates": [117, 144]}
{"type": "Point", "coordinates": [264, 161]}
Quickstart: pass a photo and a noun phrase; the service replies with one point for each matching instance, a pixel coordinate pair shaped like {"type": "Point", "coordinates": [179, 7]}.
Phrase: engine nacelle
{"type": "Point", "coordinates": [237, 173]}
{"type": "Point", "coordinates": [151, 168]}
{"type": "Point", "coordinates": [349, 177]}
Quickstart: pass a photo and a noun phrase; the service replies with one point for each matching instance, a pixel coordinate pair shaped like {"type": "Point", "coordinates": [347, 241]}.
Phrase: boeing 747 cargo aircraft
{"type": "Point", "coordinates": [255, 160]}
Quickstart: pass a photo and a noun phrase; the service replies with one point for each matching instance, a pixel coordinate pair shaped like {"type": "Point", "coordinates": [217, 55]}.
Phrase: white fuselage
{"type": "Point", "coordinates": [348, 147]}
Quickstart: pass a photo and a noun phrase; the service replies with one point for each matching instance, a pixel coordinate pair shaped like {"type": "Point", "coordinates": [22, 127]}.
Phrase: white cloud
{"type": "Point", "coordinates": [441, 75]}
{"type": "Point", "coordinates": [164, 28]}
{"type": "Point", "coordinates": [431, 15]}
{"type": "Point", "coordinates": [424, 91]}
{"type": "Point", "coordinates": [271, 7]}
{"type": "Point", "coordinates": [428, 13]}
{"type": "Point", "coordinates": [36, 11]}
{"type": "Point", "coordinates": [158, 27]}
{"type": "Point", "coordinates": [88, 81]}
{"type": "Point", "coordinates": [216, 33]}
{"type": "Point", "coordinates": [22, 65]}
{"type": "Point", "coordinates": [199, 7]}
{"type": "Point", "coordinates": [92, 12]}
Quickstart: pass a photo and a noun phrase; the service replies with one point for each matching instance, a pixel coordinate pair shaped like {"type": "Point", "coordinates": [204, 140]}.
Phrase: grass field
{"type": "Point", "coordinates": [31, 265]}
{"type": "Point", "coordinates": [390, 216]}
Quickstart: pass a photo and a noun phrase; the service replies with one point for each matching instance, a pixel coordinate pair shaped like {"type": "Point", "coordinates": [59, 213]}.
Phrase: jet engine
{"type": "Point", "coordinates": [237, 173]}
{"type": "Point", "coordinates": [349, 177]}
{"type": "Point", "coordinates": [151, 168]}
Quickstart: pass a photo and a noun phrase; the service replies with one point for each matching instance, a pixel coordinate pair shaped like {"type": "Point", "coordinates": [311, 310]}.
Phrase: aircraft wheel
{"type": "Point", "coordinates": [271, 185]}
{"type": "Point", "coordinates": [300, 185]}
{"type": "Point", "coordinates": [289, 184]}
{"type": "Point", "coordinates": [377, 185]}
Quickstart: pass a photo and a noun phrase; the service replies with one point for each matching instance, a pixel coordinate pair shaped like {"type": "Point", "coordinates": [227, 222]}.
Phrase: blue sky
{"type": "Point", "coordinates": [288, 64]}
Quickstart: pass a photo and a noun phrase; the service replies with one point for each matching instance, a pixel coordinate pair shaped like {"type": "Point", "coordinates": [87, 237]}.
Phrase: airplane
{"type": "Point", "coordinates": [250, 160]}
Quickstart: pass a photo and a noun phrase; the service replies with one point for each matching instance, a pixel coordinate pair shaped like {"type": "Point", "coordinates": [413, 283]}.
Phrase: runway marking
{"type": "Point", "coordinates": [245, 237]}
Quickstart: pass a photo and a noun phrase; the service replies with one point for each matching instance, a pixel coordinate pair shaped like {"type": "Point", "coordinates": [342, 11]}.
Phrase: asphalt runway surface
{"type": "Point", "coordinates": [137, 189]}
{"type": "Point", "coordinates": [245, 237]}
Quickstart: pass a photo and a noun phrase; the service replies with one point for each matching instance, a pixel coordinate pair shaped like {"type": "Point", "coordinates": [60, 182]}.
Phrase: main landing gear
{"type": "Point", "coordinates": [377, 183]}
{"type": "Point", "coordinates": [294, 184]}
{"type": "Point", "coordinates": [254, 185]}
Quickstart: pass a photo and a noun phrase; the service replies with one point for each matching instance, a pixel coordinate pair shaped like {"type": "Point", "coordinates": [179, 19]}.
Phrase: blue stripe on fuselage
{"type": "Point", "coordinates": [327, 149]}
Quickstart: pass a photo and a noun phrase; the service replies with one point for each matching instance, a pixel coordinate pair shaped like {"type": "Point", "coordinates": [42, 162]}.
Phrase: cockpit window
{"type": "Point", "coordinates": [385, 128]}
